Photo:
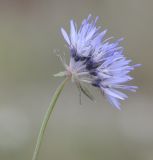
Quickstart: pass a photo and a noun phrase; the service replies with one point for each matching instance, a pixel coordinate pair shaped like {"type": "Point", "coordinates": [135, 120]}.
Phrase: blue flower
{"type": "Point", "coordinates": [97, 61]}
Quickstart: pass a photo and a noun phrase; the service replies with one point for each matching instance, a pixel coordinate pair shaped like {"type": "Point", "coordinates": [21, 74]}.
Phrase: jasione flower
{"type": "Point", "coordinates": [94, 61]}
{"type": "Point", "coordinates": [97, 61]}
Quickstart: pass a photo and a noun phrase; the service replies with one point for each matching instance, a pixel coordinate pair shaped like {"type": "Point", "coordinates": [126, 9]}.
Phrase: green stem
{"type": "Point", "coordinates": [46, 118]}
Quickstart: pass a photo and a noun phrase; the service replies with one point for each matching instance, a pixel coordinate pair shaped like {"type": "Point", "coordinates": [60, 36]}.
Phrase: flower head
{"type": "Point", "coordinates": [97, 61]}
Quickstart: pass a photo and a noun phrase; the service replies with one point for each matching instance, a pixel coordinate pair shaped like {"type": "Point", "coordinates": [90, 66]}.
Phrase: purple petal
{"type": "Point", "coordinates": [114, 101]}
{"type": "Point", "coordinates": [65, 36]}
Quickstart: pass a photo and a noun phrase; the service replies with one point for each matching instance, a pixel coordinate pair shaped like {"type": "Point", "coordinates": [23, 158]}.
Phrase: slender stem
{"type": "Point", "coordinates": [46, 118]}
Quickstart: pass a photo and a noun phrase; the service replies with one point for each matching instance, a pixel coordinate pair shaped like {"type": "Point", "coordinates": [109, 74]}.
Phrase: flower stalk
{"type": "Point", "coordinates": [46, 118]}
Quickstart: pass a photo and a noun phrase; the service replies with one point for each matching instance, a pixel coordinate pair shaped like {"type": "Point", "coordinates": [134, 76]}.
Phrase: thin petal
{"type": "Point", "coordinates": [65, 36]}
{"type": "Point", "coordinates": [115, 102]}
{"type": "Point", "coordinates": [112, 93]}
{"type": "Point", "coordinates": [73, 33]}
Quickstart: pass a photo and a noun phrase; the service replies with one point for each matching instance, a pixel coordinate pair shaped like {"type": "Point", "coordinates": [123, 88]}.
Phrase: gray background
{"type": "Point", "coordinates": [29, 34]}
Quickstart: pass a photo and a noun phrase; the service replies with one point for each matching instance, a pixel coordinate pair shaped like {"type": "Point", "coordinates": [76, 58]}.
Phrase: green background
{"type": "Point", "coordinates": [29, 36]}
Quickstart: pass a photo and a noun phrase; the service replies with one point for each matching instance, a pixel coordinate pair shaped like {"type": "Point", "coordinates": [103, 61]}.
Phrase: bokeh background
{"type": "Point", "coordinates": [29, 36]}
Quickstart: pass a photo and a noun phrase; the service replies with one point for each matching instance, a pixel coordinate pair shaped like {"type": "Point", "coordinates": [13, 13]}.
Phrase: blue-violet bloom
{"type": "Point", "coordinates": [97, 61]}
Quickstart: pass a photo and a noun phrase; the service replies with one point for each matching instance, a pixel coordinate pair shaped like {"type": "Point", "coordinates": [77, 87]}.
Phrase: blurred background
{"type": "Point", "coordinates": [29, 34]}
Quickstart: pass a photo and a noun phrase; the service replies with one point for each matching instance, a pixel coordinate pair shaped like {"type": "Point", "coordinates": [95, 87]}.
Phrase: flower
{"type": "Point", "coordinates": [96, 61]}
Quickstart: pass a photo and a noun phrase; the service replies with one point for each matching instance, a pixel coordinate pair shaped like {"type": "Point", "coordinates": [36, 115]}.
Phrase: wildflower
{"type": "Point", "coordinates": [93, 61]}
{"type": "Point", "coordinates": [96, 61]}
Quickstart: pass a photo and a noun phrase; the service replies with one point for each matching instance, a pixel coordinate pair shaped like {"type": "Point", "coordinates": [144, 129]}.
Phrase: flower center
{"type": "Point", "coordinates": [71, 74]}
